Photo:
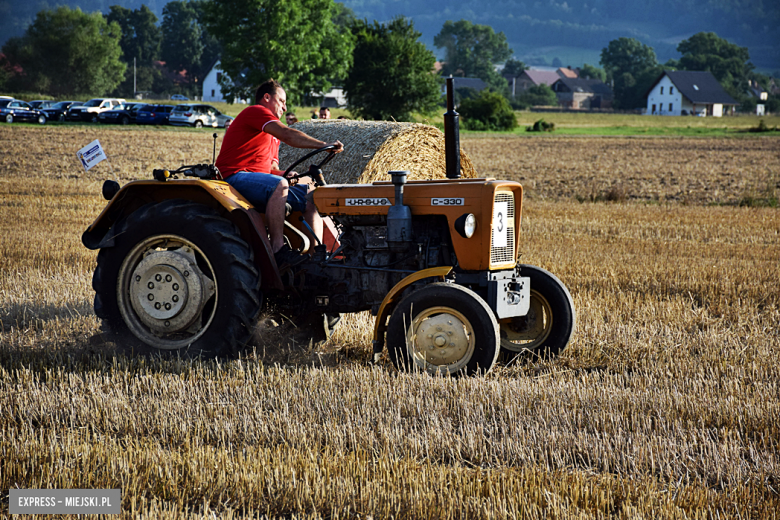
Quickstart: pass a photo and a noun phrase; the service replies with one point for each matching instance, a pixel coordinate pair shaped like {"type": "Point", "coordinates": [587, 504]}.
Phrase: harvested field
{"type": "Point", "coordinates": [680, 170]}
{"type": "Point", "coordinates": [664, 406]}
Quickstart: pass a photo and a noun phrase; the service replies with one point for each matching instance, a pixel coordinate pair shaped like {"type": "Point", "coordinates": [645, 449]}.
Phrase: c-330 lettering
{"type": "Point", "coordinates": [447, 201]}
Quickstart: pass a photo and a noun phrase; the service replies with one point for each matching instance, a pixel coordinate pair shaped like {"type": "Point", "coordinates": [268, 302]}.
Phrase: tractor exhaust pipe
{"type": "Point", "coordinates": [399, 217]}
{"type": "Point", "coordinates": [451, 134]}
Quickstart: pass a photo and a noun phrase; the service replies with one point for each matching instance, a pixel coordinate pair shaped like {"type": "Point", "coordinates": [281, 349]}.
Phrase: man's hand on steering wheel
{"type": "Point", "coordinates": [292, 177]}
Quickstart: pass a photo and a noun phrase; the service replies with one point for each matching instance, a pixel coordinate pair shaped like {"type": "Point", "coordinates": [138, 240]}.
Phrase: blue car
{"type": "Point", "coordinates": [57, 112]}
{"type": "Point", "coordinates": [17, 110]}
{"type": "Point", "coordinates": [154, 115]}
{"type": "Point", "coordinates": [124, 114]}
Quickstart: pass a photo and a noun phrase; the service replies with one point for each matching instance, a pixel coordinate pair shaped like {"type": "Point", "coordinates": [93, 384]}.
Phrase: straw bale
{"type": "Point", "coordinates": [373, 148]}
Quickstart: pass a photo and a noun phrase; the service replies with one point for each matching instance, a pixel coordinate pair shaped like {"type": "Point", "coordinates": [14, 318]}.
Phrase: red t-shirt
{"type": "Point", "coordinates": [246, 147]}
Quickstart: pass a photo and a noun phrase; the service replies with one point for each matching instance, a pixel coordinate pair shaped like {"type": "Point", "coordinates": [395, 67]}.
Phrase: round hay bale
{"type": "Point", "coordinates": [373, 148]}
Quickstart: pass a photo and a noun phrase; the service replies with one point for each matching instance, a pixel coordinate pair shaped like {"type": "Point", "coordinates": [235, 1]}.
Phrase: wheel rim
{"type": "Point", "coordinates": [125, 121]}
{"type": "Point", "coordinates": [529, 332]}
{"type": "Point", "coordinates": [440, 339]}
{"type": "Point", "coordinates": [198, 124]}
{"type": "Point", "coordinates": [167, 292]}
{"type": "Point", "coordinates": [41, 120]}
{"type": "Point", "coordinates": [9, 118]}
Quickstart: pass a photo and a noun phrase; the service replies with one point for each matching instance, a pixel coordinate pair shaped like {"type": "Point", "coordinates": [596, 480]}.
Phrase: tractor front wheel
{"type": "Point", "coordinates": [443, 328]}
{"type": "Point", "coordinates": [549, 324]}
{"type": "Point", "coordinates": [178, 277]}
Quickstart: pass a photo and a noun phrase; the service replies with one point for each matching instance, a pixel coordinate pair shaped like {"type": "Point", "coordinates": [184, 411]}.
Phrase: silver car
{"type": "Point", "coordinates": [199, 116]}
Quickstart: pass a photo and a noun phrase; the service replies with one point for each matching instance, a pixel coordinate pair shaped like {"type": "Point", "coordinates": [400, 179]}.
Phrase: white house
{"type": "Point", "coordinates": [334, 98]}
{"type": "Point", "coordinates": [211, 87]}
{"type": "Point", "coordinates": [684, 92]}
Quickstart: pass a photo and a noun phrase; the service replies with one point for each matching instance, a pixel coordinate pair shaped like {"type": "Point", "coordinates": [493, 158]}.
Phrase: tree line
{"type": "Point", "coordinates": [309, 45]}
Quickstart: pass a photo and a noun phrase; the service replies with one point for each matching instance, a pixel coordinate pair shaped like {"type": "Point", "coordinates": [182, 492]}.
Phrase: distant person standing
{"type": "Point", "coordinates": [324, 113]}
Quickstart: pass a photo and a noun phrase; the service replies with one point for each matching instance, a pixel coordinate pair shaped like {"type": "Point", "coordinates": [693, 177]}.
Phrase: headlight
{"type": "Point", "coordinates": [466, 225]}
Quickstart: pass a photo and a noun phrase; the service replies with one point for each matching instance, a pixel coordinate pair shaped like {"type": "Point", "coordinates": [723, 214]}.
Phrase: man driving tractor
{"type": "Point", "coordinates": [249, 161]}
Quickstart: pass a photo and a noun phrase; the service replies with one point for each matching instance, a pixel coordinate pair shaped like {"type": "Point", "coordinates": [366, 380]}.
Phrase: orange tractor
{"type": "Point", "coordinates": [186, 264]}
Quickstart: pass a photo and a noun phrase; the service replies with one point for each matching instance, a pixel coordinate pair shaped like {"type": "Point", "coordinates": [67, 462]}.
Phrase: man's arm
{"type": "Point", "coordinates": [296, 138]}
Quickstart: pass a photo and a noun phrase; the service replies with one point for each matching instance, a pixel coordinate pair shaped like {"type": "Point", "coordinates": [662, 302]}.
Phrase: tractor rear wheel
{"type": "Point", "coordinates": [549, 324]}
{"type": "Point", "coordinates": [178, 277]}
{"type": "Point", "coordinates": [443, 328]}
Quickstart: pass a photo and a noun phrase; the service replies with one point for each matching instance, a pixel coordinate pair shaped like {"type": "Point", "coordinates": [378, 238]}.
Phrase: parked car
{"type": "Point", "coordinates": [154, 114]}
{"type": "Point", "coordinates": [224, 120]}
{"type": "Point", "coordinates": [90, 110]}
{"type": "Point", "coordinates": [57, 112]}
{"type": "Point", "coordinates": [194, 115]}
{"type": "Point", "coordinates": [125, 114]}
{"type": "Point", "coordinates": [17, 110]}
{"type": "Point", "coordinates": [40, 104]}
{"type": "Point", "coordinates": [179, 97]}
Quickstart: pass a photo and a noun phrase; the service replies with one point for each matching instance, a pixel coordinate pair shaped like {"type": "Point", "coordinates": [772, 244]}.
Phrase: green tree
{"type": "Point", "coordinates": [538, 95]}
{"type": "Point", "coordinates": [632, 67]}
{"type": "Point", "coordinates": [181, 36]}
{"type": "Point", "coordinates": [66, 52]}
{"type": "Point", "coordinates": [472, 50]}
{"type": "Point", "coordinates": [140, 47]}
{"type": "Point", "coordinates": [187, 46]}
{"type": "Point", "coordinates": [728, 62]}
{"type": "Point", "coordinates": [592, 72]}
{"type": "Point", "coordinates": [513, 67]}
{"type": "Point", "coordinates": [295, 42]}
{"type": "Point", "coordinates": [488, 111]}
{"type": "Point", "coordinates": [140, 35]}
{"type": "Point", "coordinates": [392, 74]}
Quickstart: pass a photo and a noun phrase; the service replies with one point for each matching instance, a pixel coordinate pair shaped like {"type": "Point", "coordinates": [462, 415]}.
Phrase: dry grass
{"type": "Point", "coordinates": [688, 171]}
{"type": "Point", "coordinates": [666, 404]}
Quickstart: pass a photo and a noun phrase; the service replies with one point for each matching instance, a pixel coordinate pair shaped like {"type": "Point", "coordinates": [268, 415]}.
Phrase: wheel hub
{"type": "Point", "coordinates": [168, 291]}
{"type": "Point", "coordinates": [442, 339]}
{"type": "Point", "coordinates": [530, 331]}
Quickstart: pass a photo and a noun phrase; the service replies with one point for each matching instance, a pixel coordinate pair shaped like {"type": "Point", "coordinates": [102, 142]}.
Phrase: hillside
{"type": "Point", "coordinates": [574, 31]}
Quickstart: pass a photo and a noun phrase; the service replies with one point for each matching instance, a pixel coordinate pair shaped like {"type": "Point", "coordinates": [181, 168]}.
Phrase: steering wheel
{"type": "Point", "coordinates": [315, 170]}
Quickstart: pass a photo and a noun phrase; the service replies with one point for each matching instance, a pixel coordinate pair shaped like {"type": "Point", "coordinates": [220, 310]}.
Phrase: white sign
{"type": "Point", "coordinates": [369, 202]}
{"type": "Point", "coordinates": [500, 231]}
{"type": "Point", "coordinates": [440, 201]}
{"type": "Point", "coordinates": [91, 154]}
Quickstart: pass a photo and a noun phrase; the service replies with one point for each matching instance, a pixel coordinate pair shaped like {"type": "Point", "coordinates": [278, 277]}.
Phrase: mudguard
{"type": "Point", "coordinates": [216, 194]}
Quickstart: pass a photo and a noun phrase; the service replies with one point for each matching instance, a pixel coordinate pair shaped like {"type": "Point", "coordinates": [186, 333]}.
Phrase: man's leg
{"type": "Point", "coordinates": [275, 214]}
{"type": "Point", "coordinates": [268, 193]}
{"type": "Point", "coordinates": [297, 200]}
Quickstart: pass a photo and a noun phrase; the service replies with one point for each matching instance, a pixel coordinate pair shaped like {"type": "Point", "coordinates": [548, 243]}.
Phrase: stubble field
{"type": "Point", "coordinates": [665, 405]}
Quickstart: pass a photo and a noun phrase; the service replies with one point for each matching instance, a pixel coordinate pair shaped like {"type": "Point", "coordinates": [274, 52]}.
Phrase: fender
{"type": "Point", "coordinates": [215, 194]}
{"type": "Point", "coordinates": [392, 297]}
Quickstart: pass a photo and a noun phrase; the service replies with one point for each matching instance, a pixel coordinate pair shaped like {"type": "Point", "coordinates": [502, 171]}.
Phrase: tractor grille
{"type": "Point", "coordinates": [502, 243]}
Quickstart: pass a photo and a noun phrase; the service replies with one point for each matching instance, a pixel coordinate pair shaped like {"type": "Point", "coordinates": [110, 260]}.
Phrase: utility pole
{"type": "Point", "coordinates": [135, 89]}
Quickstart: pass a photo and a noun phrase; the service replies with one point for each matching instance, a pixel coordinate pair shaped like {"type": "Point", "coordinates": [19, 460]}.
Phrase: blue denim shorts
{"type": "Point", "coordinates": [257, 188]}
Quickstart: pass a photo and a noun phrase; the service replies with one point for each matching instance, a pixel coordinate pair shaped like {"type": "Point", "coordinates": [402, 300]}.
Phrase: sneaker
{"type": "Point", "coordinates": [286, 257]}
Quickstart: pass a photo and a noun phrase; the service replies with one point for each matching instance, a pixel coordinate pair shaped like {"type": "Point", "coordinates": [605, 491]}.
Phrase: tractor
{"type": "Point", "coordinates": [185, 264]}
